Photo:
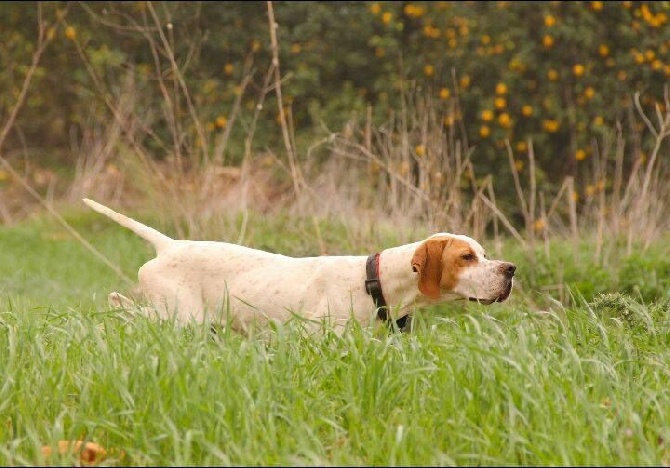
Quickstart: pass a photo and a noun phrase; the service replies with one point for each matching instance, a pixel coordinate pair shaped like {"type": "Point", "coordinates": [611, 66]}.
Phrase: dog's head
{"type": "Point", "coordinates": [451, 266]}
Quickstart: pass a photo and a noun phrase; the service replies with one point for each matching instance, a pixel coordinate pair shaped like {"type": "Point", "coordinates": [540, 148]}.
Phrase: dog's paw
{"type": "Point", "coordinates": [119, 301]}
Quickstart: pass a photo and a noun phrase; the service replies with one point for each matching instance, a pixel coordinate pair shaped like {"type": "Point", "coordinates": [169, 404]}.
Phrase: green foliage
{"type": "Point", "coordinates": [646, 275]}
{"type": "Point", "coordinates": [557, 267]}
{"type": "Point", "coordinates": [558, 73]}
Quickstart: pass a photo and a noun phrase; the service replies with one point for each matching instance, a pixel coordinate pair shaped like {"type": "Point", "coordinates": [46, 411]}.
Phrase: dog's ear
{"type": "Point", "coordinates": [427, 262]}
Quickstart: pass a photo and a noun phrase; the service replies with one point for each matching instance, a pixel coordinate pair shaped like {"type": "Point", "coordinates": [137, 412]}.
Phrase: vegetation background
{"type": "Point", "coordinates": [189, 81]}
{"type": "Point", "coordinates": [312, 128]}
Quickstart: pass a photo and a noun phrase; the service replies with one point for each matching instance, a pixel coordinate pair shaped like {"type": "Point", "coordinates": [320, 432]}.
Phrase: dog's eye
{"type": "Point", "coordinates": [468, 257]}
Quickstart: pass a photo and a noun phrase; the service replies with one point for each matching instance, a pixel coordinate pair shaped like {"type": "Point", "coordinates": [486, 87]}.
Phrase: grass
{"type": "Point", "coordinates": [508, 384]}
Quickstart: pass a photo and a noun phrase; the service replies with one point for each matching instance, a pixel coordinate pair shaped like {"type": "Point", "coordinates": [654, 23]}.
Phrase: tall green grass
{"type": "Point", "coordinates": [490, 386]}
{"type": "Point", "coordinates": [512, 384]}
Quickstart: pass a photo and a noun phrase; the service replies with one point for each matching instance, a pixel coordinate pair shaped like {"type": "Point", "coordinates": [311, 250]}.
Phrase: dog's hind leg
{"type": "Point", "coordinates": [119, 301]}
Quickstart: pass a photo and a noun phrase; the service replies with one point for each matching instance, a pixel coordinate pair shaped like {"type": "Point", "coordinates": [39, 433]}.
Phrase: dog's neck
{"type": "Point", "coordinates": [399, 282]}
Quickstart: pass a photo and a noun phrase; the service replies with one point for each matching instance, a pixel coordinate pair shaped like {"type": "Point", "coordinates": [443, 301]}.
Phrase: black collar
{"type": "Point", "coordinates": [373, 287]}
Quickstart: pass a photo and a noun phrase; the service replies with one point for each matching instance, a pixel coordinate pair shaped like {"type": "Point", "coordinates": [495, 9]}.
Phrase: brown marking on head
{"type": "Point", "coordinates": [439, 261]}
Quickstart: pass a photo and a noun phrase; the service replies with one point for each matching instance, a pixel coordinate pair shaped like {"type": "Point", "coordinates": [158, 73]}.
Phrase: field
{"type": "Point", "coordinates": [528, 382]}
{"type": "Point", "coordinates": [344, 129]}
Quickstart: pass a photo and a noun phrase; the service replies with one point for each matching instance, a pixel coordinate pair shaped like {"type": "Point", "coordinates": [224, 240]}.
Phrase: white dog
{"type": "Point", "coordinates": [241, 287]}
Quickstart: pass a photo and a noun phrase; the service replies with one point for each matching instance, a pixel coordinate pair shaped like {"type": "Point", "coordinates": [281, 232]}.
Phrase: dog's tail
{"type": "Point", "coordinates": [157, 239]}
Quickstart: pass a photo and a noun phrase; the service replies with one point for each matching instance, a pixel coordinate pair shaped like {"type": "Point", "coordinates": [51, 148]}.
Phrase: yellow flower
{"type": "Point", "coordinates": [465, 81]}
{"type": "Point", "coordinates": [516, 64]}
{"type": "Point", "coordinates": [387, 17]}
{"type": "Point", "coordinates": [527, 111]}
{"type": "Point", "coordinates": [484, 131]}
{"type": "Point", "coordinates": [70, 33]}
{"type": "Point", "coordinates": [547, 41]}
{"type": "Point", "coordinates": [420, 150]}
{"type": "Point", "coordinates": [486, 39]}
{"type": "Point", "coordinates": [597, 6]}
{"type": "Point", "coordinates": [413, 10]}
{"type": "Point", "coordinates": [501, 88]}
{"type": "Point", "coordinates": [296, 48]}
{"type": "Point", "coordinates": [589, 92]}
{"type": "Point", "coordinates": [598, 121]}
{"type": "Point", "coordinates": [504, 120]}
{"type": "Point", "coordinates": [445, 93]}
{"type": "Point", "coordinates": [539, 224]}
{"type": "Point", "coordinates": [552, 74]}
{"type": "Point", "coordinates": [431, 31]}
{"type": "Point", "coordinates": [51, 33]}
{"type": "Point", "coordinates": [449, 121]}
{"type": "Point", "coordinates": [590, 190]}
{"type": "Point", "coordinates": [551, 126]}
{"type": "Point", "coordinates": [549, 21]}
{"type": "Point", "coordinates": [500, 102]}
{"type": "Point", "coordinates": [580, 155]}
{"type": "Point", "coordinates": [518, 165]}
{"type": "Point", "coordinates": [375, 8]}
{"type": "Point", "coordinates": [638, 57]}
{"type": "Point", "coordinates": [428, 70]}
{"type": "Point", "coordinates": [603, 50]}
{"type": "Point", "coordinates": [221, 121]}
{"type": "Point", "coordinates": [256, 45]}
{"type": "Point", "coordinates": [228, 69]}
{"type": "Point", "coordinates": [650, 55]}
{"type": "Point", "coordinates": [578, 70]}
{"type": "Point", "coordinates": [622, 75]}
{"type": "Point", "coordinates": [521, 147]}
{"type": "Point", "coordinates": [487, 115]}
{"type": "Point", "coordinates": [575, 196]}
{"type": "Point", "coordinates": [657, 64]}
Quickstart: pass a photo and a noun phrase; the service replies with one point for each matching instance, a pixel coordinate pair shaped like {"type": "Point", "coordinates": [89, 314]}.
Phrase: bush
{"type": "Point", "coordinates": [561, 74]}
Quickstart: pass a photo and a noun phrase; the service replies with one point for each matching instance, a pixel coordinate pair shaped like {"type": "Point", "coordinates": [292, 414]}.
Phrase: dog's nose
{"type": "Point", "coordinates": [508, 269]}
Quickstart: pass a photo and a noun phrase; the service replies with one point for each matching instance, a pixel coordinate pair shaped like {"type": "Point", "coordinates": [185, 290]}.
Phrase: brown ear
{"type": "Point", "coordinates": [427, 261]}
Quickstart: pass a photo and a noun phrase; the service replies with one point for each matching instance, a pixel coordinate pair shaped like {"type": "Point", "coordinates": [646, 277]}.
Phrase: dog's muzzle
{"type": "Point", "coordinates": [507, 270]}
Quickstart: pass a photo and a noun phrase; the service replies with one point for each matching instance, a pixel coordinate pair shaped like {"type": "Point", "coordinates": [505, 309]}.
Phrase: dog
{"type": "Point", "coordinates": [241, 287]}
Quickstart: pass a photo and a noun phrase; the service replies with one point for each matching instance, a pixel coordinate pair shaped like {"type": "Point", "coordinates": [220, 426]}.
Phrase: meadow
{"type": "Point", "coordinates": [532, 381]}
{"type": "Point", "coordinates": [178, 114]}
